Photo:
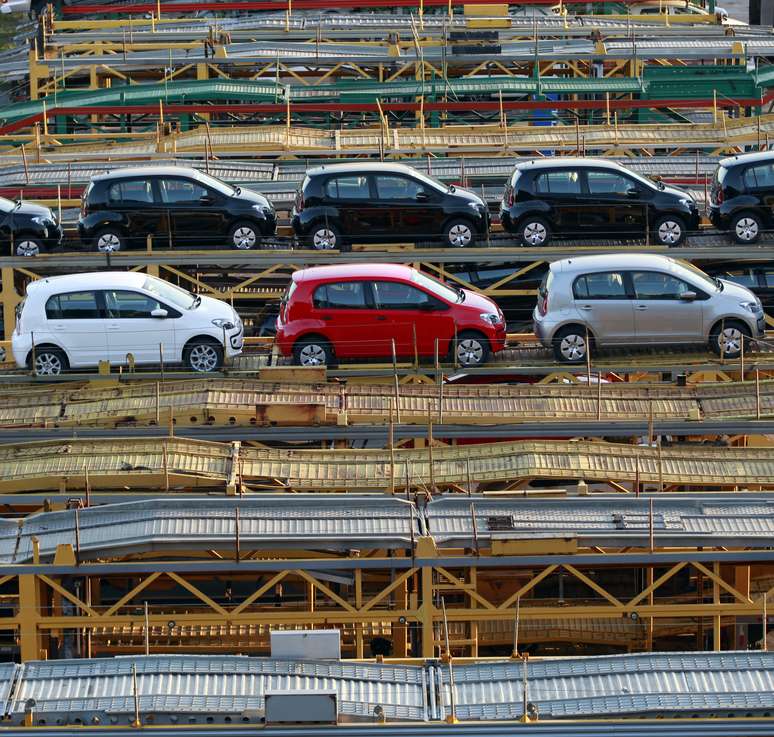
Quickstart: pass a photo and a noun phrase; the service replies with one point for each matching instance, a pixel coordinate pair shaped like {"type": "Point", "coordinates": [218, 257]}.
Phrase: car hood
{"type": "Point", "coordinates": [254, 198]}
{"type": "Point", "coordinates": [467, 196]}
{"type": "Point", "coordinates": [217, 308]}
{"type": "Point", "coordinates": [676, 192]}
{"type": "Point", "coordinates": [479, 302]}
{"type": "Point", "coordinates": [737, 291]}
{"type": "Point", "coordinates": [27, 208]}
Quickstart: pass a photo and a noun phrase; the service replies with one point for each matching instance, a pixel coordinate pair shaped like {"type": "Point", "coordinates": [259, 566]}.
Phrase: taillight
{"type": "Point", "coordinates": [719, 196]}
{"type": "Point", "coordinates": [543, 304]}
{"type": "Point", "coordinates": [299, 201]}
{"type": "Point", "coordinates": [510, 196]}
{"type": "Point", "coordinates": [83, 208]}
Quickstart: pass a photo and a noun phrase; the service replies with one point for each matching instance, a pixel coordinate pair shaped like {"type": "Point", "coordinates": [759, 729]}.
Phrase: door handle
{"type": "Point", "coordinates": [585, 307]}
{"type": "Point", "coordinates": [327, 317]}
{"type": "Point", "coordinates": [641, 308]}
{"type": "Point", "coordinates": [381, 318]}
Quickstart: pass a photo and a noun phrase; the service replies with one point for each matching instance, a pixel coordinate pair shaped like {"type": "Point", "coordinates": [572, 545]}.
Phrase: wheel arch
{"type": "Point", "coordinates": [43, 346]}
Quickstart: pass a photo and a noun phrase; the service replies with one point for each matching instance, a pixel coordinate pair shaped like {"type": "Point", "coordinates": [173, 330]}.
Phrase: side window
{"type": "Point", "coordinates": [124, 304]}
{"type": "Point", "coordinates": [131, 191]}
{"type": "Point", "coordinates": [657, 285]}
{"type": "Point", "coordinates": [348, 188]}
{"type": "Point", "coordinates": [558, 182]}
{"type": "Point", "coordinates": [73, 306]}
{"type": "Point", "coordinates": [181, 191]}
{"type": "Point", "coordinates": [604, 285]}
{"type": "Point", "coordinates": [393, 295]}
{"type": "Point", "coordinates": [397, 188]}
{"type": "Point", "coordinates": [349, 295]}
{"type": "Point", "coordinates": [761, 175]}
{"type": "Point", "coordinates": [608, 183]}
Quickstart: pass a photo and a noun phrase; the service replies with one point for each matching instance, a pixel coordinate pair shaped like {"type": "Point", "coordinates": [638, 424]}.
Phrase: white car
{"type": "Point", "coordinates": [78, 320]}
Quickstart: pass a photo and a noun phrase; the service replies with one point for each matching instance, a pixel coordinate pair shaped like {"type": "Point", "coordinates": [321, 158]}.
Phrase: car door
{"type": "Point", "coordinates": [661, 315]}
{"type": "Point", "coordinates": [759, 182]}
{"type": "Point", "coordinates": [75, 322]}
{"type": "Point", "coordinates": [132, 329]}
{"type": "Point", "coordinates": [604, 303]}
{"type": "Point", "coordinates": [139, 207]}
{"type": "Point", "coordinates": [346, 310]}
{"type": "Point", "coordinates": [410, 207]}
{"type": "Point", "coordinates": [197, 214]}
{"type": "Point", "coordinates": [359, 215]}
{"type": "Point", "coordinates": [615, 204]}
{"type": "Point", "coordinates": [412, 317]}
{"type": "Point", "coordinates": [561, 190]}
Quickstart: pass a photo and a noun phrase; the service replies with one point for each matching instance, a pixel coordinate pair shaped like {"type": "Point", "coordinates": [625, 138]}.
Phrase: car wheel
{"type": "Point", "coordinates": [534, 232]}
{"type": "Point", "coordinates": [48, 362]}
{"type": "Point", "coordinates": [746, 227]}
{"type": "Point", "coordinates": [727, 336]}
{"type": "Point", "coordinates": [29, 246]}
{"type": "Point", "coordinates": [325, 237]}
{"type": "Point", "coordinates": [670, 230]}
{"type": "Point", "coordinates": [203, 356]}
{"type": "Point", "coordinates": [472, 349]}
{"type": "Point", "coordinates": [459, 234]}
{"type": "Point", "coordinates": [110, 240]}
{"type": "Point", "coordinates": [570, 344]}
{"type": "Point", "coordinates": [244, 236]}
{"type": "Point", "coordinates": [312, 352]}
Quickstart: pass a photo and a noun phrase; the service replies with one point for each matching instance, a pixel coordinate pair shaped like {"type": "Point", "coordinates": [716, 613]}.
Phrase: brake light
{"type": "Point", "coordinates": [299, 201]}
{"type": "Point", "coordinates": [719, 195]}
{"type": "Point", "coordinates": [543, 304]}
{"type": "Point", "coordinates": [510, 196]}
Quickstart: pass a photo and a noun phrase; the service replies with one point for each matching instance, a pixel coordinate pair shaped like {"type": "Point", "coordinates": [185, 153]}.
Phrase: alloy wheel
{"type": "Point", "coordinates": [670, 232]}
{"type": "Point", "coordinates": [203, 358]}
{"type": "Point", "coordinates": [573, 347]}
{"type": "Point", "coordinates": [108, 242]}
{"type": "Point", "coordinates": [746, 229]}
{"type": "Point", "coordinates": [27, 248]}
{"type": "Point", "coordinates": [312, 355]}
{"type": "Point", "coordinates": [244, 238]}
{"type": "Point", "coordinates": [469, 352]}
{"type": "Point", "coordinates": [535, 234]}
{"type": "Point", "coordinates": [48, 364]}
{"type": "Point", "coordinates": [324, 239]}
{"type": "Point", "coordinates": [459, 235]}
{"type": "Point", "coordinates": [730, 341]}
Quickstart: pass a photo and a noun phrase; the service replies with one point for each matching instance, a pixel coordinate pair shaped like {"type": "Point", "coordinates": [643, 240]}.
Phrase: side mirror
{"type": "Point", "coordinates": [422, 197]}
{"type": "Point", "coordinates": [632, 192]}
{"type": "Point", "coordinates": [688, 296]}
{"type": "Point", "coordinates": [159, 313]}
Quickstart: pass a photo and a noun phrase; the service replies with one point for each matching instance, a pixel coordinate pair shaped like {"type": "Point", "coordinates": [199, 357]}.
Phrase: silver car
{"type": "Point", "coordinates": [639, 299]}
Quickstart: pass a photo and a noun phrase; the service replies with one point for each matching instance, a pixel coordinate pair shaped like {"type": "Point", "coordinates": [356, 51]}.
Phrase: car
{"type": "Point", "coordinates": [183, 206]}
{"type": "Point", "coordinates": [360, 311]}
{"type": "Point", "coordinates": [741, 196]}
{"type": "Point", "coordinates": [27, 229]}
{"type": "Point", "coordinates": [78, 320]}
{"type": "Point", "coordinates": [342, 203]}
{"type": "Point", "coordinates": [641, 300]}
{"type": "Point", "coordinates": [658, 8]}
{"type": "Point", "coordinates": [592, 198]}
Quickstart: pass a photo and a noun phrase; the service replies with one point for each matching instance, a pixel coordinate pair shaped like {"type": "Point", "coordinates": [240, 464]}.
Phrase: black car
{"type": "Point", "coordinates": [174, 205]}
{"type": "Point", "coordinates": [741, 196]}
{"type": "Point", "coordinates": [27, 229]}
{"type": "Point", "coordinates": [342, 203]}
{"type": "Point", "coordinates": [591, 198]}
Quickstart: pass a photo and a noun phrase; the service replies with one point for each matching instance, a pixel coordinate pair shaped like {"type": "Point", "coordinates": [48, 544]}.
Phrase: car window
{"type": "Point", "coordinates": [73, 306]}
{"type": "Point", "coordinates": [558, 182]}
{"type": "Point", "coordinates": [393, 295]}
{"type": "Point", "coordinates": [604, 285]}
{"type": "Point", "coordinates": [131, 190]}
{"type": "Point", "coordinates": [658, 285]}
{"type": "Point", "coordinates": [181, 191]}
{"type": "Point", "coordinates": [348, 188]}
{"type": "Point", "coordinates": [609, 183]}
{"type": "Point", "coordinates": [343, 295]}
{"type": "Point", "coordinates": [124, 304]}
{"type": "Point", "coordinates": [769, 278]}
{"type": "Point", "coordinates": [397, 188]}
{"type": "Point", "coordinates": [745, 277]}
{"type": "Point", "coordinates": [761, 175]}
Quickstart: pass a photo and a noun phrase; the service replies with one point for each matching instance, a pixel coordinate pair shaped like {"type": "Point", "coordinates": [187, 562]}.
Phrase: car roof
{"type": "Point", "coordinates": [364, 166]}
{"type": "Point", "coordinates": [91, 280]}
{"type": "Point", "coordinates": [148, 171]}
{"type": "Point", "coordinates": [609, 261]}
{"type": "Point", "coordinates": [354, 271]}
{"type": "Point", "coordinates": [554, 162]}
{"type": "Point", "coordinates": [730, 161]}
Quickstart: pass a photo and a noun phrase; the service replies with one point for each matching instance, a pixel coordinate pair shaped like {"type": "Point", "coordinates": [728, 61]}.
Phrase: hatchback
{"type": "Point", "coordinates": [367, 311]}
{"type": "Point", "coordinates": [171, 204]}
{"type": "Point", "coordinates": [78, 320]}
{"type": "Point", "coordinates": [342, 203]}
{"type": "Point", "coordinates": [592, 198]}
{"type": "Point", "coordinates": [641, 300]}
{"type": "Point", "coordinates": [742, 194]}
{"type": "Point", "coordinates": [27, 229]}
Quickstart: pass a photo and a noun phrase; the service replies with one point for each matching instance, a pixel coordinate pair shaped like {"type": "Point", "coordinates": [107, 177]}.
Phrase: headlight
{"type": "Point", "coordinates": [687, 202]}
{"type": "Point", "coordinates": [751, 306]}
{"type": "Point", "coordinates": [221, 322]}
{"type": "Point", "coordinates": [476, 206]}
{"type": "Point", "coordinates": [490, 317]}
{"type": "Point", "coordinates": [40, 220]}
{"type": "Point", "coordinates": [263, 210]}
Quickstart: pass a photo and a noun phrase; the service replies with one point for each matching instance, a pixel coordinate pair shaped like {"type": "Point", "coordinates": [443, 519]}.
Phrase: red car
{"type": "Point", "coordinates": [358, 311]}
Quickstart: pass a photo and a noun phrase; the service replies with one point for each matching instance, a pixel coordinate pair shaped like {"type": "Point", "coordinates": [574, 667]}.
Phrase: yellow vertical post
{"type": "Point", "coordinates": [716, 601]}
{"type": "Point", "coordinates": [30, 641]}
{"type": "Point", "coordinates": [9, 298]}
{"type": "Point", "coordinates": [358, 606]}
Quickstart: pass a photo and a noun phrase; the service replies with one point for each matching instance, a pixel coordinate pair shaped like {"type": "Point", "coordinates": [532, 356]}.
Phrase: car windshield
{"type": "Point", "coordinates": [216, 184]}
{"type": "Point", "coordinates": [6, 205]}
{"type": "Point", "coordinates": [709, 281]}
{"type": "Point", "coordinates": [169, 292]}
{"type": "Point", "coordinates": [450, 294]}
{"type": "Point", "coordinates": [644, 180]}
{"type": "Point", "coordinates": [431, 181]}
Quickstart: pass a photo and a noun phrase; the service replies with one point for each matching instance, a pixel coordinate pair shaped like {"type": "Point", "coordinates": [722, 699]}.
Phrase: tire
{"type": "Point", "coordinates": [109, 240]}
{"type": "Point", "coordinates": [669, 231]}
{"type": "Point", "coordinates": [28, 246]}
{"type": "Point", "coordinates": [534, 231]}
{"type": "Point", "coordinates": [49, 361]}
{"type": "Point", "coordinates": [244, 236]}
{"type": "Point", "coordinates": [203, 356]}
{"type": "Point", "coordinates": [325, 237]}
{"type": "Point", "coordinates": [312, 352]}
{"type": "Point", "coordinates": [746, 227]}
{"type": "Point", "coordinates": [459, 233]}
{"type": "Point", "coordinates": [570, 345]}
{"type": "Point", "coordinates": [726, 338]}
{"type": "Point", "coordinates": [471, 350]}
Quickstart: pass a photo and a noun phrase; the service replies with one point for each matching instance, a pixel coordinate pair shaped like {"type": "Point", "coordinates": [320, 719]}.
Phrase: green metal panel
{"type": "Point", "coordinates": [698, 83]}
